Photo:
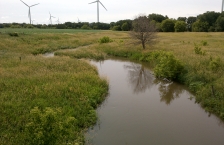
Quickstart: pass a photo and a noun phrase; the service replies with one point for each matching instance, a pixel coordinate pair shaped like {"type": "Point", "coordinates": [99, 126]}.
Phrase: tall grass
{"type": "Point", "coordinates": [200, 54]}
{"type": "Point", "coordinates": [59, 83]}
{"type": "Point", "coordinates": [65, 87]}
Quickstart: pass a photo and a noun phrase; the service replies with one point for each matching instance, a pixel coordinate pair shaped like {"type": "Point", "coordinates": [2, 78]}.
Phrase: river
{"type": "Point", "coordinates": [142, 110]}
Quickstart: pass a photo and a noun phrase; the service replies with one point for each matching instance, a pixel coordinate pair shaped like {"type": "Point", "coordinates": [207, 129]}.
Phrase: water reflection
{"type": "Point", "coordinates": [139, 78]}
{"type": "Point", "coordinates": [168, 90]}
{"type": "Point", "coordinates": [144, 118]}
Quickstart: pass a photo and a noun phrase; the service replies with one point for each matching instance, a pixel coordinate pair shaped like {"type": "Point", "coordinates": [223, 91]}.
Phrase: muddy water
{"type": "Point", "coordinates": [141, 110]}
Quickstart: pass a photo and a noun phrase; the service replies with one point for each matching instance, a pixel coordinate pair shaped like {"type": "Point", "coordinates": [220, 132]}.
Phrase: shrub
{"type": "Point", "coordinates": [180, 26]}
{"type": "Point", "coordinates": [124, 27]}
{"type": "Point", "coordinates": [198, 50]}
{"type": "Point", "coordinates": [204, 43]}
{"type": "Point", "coordinates": [168, 67]}
{"type": "Point", "coordinates": [214, 64]}
{"type": "Point", "coordinates": [86, 27]}
{"type": "Point", "coordinates": [105, 39]}
{"type": "Point", "coordinates": [168, 25]}
{"type": "Point", "coordinates": [116, 28]}
{"type": "Point", "coordinates": [46, 127]}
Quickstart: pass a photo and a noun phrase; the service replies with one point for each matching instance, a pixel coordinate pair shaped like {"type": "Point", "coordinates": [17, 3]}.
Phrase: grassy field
{"type": "Point", "coordinates": [64, 91]}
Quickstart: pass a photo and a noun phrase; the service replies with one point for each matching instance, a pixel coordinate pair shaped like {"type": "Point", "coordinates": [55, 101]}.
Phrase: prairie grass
{"type": "Point", "coordinates": [29, 80]}
{"type": "Point", "coordinates": [203, 70]}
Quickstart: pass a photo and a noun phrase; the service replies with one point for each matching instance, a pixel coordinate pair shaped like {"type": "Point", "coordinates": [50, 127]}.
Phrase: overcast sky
{"type": "Point", "coordinates": [71, 10]}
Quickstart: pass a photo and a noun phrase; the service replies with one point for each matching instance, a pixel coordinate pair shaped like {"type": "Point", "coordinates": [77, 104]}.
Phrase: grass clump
{"type": "Point", "coordinates": [204, 43]}
{"type": "Point", "coordinates": [105, 39]}
{"type": "Point", "coordinates": [198, 50]}
{"type": "Point", "coordinates": [14, 34]}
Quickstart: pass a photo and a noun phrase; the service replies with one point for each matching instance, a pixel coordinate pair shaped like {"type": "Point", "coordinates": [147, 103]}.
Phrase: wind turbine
{"type": "Point", "coordinates": [98, 1]}
{"type": "Point", "coordinates": [78, 20]}
{"type": "Point", "coordinates": [51, 17]}
{"type": "Point", "coordinates": [58, 21]}
{"type": "Point", "coordinates": [222, 6]}
{"type": "Point", "coordinates": [29, 14]}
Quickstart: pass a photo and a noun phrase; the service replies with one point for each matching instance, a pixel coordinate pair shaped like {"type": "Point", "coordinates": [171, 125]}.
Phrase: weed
{"type": "Point", "coordinates": [105, 39]}
{"type": "Point", "coordinates": [204, 43]}
{"type": "Point", "coordinates": [214, 64]}
{"type": "Point", "coordinates": [198, 50]}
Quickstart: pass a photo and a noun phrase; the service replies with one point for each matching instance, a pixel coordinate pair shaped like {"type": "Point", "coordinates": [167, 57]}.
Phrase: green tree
{"type": "Point", "coordinates": [220, 23]}
{"type": "Point", "coordinates": [199, 26]}
{"type": "Point", "coordinates": [190, 21]}
{"type": "Point", "coordinates": [125, 27]}
{"type": "Point", "coordinates": [61, 26]}
{"type": "Point", "coordinates": [182, 19]}
{"type": "Point", "coordinates": [180, 26]}
{"type": "Point", "coordinates": [121, 22]}
{"type": "Point", "coordinates": [85, 26]}
{"type": "Point", "coordinates": [168, 25]}
{"type": "Point", "coordinates": [117, 28]}
{"type": "Point", "coordinates": [69, 25]}
{"type": "Point", "coordinates": [157, 17]}
{"type": "Point", "coordinates": [209, 17]}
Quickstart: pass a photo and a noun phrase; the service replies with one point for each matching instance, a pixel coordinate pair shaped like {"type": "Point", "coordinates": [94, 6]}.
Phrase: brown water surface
{"type": "Point", "coordinates": [141, 110]}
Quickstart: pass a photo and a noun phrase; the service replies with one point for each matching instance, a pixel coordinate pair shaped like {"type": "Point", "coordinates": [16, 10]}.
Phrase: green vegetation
{"type": "Point", "coordinates": [209, 21]}
{"type": "Point", "coordinates": [59, 94]}
{"type": "Point", "coordinates": [180, 57]}
{"type": "Point", "coordinates": [180, 26]}
{"type": "Point", "coordinates": [42, 97]}
{"type": "Point", "coordinates": [105, 39]}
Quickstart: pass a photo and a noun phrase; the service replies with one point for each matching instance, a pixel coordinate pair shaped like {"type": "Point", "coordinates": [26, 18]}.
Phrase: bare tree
{"type": "Point", "coordinates": [143, 31]}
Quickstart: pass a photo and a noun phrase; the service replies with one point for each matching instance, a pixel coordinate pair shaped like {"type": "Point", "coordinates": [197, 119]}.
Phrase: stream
{"type": "Point", "coordinates": [142, 110]}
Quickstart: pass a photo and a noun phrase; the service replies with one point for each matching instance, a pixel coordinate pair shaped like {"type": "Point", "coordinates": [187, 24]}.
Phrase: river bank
{"type": "Point", "coordinates": [28, 76]}
{"type": "Point", "coordinates": [200, 54]}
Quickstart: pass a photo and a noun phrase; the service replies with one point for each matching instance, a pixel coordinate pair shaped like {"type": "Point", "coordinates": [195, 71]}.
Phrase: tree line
{"type": "Point", "coordinates": [209, 21]}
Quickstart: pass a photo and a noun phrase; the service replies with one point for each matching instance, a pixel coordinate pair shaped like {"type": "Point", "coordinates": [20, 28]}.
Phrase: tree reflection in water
{"type": "Point", "coordinates": [139, 77]}
{"type": "Point", "coordinates": [168, 90]}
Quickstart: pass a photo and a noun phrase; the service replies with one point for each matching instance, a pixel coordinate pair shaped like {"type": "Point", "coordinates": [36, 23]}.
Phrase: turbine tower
{"type": "Point", "coordinates": [51, 17]}
{"type": "Point", "coordinates": [58, 21]}
{"type": "Point", "coordinates": [78, 20]}
{"type": "Point", "coordinates": [222, 6]}
{"type": "Point", "coordinates": [29, 14]}
{"type": "Point", "coordinates": [98, 1]}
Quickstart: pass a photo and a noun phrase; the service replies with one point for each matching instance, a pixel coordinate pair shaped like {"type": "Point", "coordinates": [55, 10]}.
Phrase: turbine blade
{"type": "Point", "coordinates": [103, 5]}
{"type": "Point", "coordinates": [35, 5]}
{"type": "Point", "coordinates": [93, 2]}
{"type": "Point", "coordinates": [24, 3]}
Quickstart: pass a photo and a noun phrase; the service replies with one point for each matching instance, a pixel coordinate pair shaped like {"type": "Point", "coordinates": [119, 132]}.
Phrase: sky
{"type": "Point", "coordinates": [72, 10]}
